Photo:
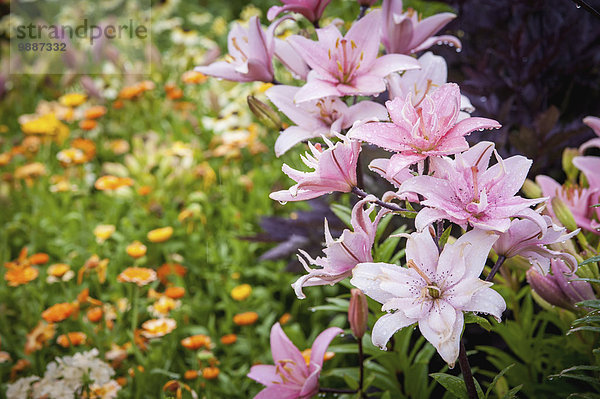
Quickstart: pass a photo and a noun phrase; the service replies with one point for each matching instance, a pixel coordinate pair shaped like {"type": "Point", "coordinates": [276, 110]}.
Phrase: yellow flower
{"type": "Point", "coordinates": [46, 125]}
{"type": "Point", "coordinates": [241, 292]}
{"type": "Point", "coordinates": [155, 328]}
{"type": "Point", "coordinates": [160, 235]}
{"type": "Point", "coordinates": [163, 306]}
{"type": "Point", "coordinates": [139, 275]}
{"type": "Point", "coordinates": [72, 99]}
{"type": "Point", "coordinates": [103, 232]}
{"type": "Point", "coordinates": [58, 269]}
{"type": "Point", "coordinates": [136, 249]}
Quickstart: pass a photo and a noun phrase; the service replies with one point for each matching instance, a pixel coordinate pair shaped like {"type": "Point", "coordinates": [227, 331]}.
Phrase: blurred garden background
{"type": "Point", "coordinates": [136, 223]}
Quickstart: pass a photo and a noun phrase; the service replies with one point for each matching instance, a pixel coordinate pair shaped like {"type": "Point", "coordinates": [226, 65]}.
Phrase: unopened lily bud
{"type": "Point", "coordinates": [531, 189]}
{"type": "Point", "coordinates": [548, 289]}
{"type": "Point", "coordinates": [563, 213]}
{"type": "Point", "coordinates": [567, 163]}
{"type": "Point", "coordinates": [264, 113]}
{"type": "Point", "coordinates": [358, 313]}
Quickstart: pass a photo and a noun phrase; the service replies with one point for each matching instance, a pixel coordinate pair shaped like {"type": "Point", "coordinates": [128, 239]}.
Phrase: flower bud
{"type": "Point", "coordinates": [531, 189]}
{"type": "Point", "coordinates": [265, 114]}
{"type": "Point", "coordinates": [547, 289]}
{"type": "Point", "coordinates": [358, 313]}
{"type": "Point", "coordinates": [561, 288]}
{"type": "Point", "coordinates": [563, 213]}
{"type": "Point", "coordinates": [567, 163]}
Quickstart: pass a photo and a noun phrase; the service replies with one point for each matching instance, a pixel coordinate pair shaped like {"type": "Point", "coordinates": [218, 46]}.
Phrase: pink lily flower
{"type": "Point", "coordinates": [347, 65]}
{"type": "Point", "coordinates": [579, 200]}
{"type": "Point", "coordinates": [406, 33]}
{"type": "Point", "coordinates": [590, 166]}
{"type": "Point", "coordinates": [593, 123]}
{"type": "Point", "coordinates": [250, 57]}
{"type": "Point", "coordinates": [525, 238]}
{"type": "Point", "coordinates": [334, 170]}
{"type": "Point", "coordinates": [465, 191]}
{"type": "Point", "coordinates": [417, 132]}
{"type": "Point", "coordinates": [343, 254]}
{"type": "Point", "coordinates": [310, 9]}
{"type": "Point", "coordinates": [433, 290]}
{"type": "Point", "coordinates": [317, 118]}
{"type": "Point", "coordinates": [420, 82]}
{"type": "Point", "coordinates": [292, 376]}
{"type": "Point", "coordinates": [561, 287]}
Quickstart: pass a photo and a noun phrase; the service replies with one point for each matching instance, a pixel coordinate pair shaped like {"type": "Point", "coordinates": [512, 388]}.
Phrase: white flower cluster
{"type": "Point", "coordinates": [82, 375]}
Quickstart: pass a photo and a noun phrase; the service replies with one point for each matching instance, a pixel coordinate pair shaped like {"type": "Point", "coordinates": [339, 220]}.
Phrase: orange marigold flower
{"type": "Point", "coordinates": [228, 339]}
{"type": "Point", "coordinates": [196, 342]}
{"type": "Point", "coordinates": [31, 170]}
{"type": "Point", "coordinates": [285, 318]}
{"type": "Point", "coordinates": [20, 275]}
{"type": "Point", "coordinates": [94, 263]}
{"type": "Point", "coordinates": [241, 292]}
{"type": "Point", "coordinates": [193, 77]}
{"type": "Point", "coordinates": [58, 312]}
{"type": "Point", "coordinates": [122, 381]}
{"type": "Point", "coordinates": [210, 373]}
{"type": "Point", "coordinates": [58, 269]}
{"type": "Point", "coordinates": [136, 249]}
{"type": "Point", "coordinates": [190, 375]}
{"type": "Point", "coordinates": [129, 92]}
{"type": "Point", "coordinates": [21, 365]}
{"type": "Point", "coordinates": [175, 94]}
{"type": "Point", "coordinates": [71, 156]}
{"type": "Point", "coordinates": [156, 328]}
{"type": "Point", "coordinates": [168, 269]}
{"type": "Point", "coordinates": [110, 182]}
{"type": "Point", "coordinates": [139, 275]}
{"type": "Point", "coordinates": [94, 314]}
{"type": "Point", "coordinates": [39, 259]}
{"type": "Point", "coordinates": [245, 319]}
{"type": "Point", "coordinates": [95, 112]}
{"type": "Point", "coordinates": [175, 292]}
{"type": "Point", "coordinates": [160, 235]}
{"type": "Point", "coordinates": [83, 296]}
{"type": "Point", "coordinates": [37, 337]}
{"type": "Point", "coordinates": [144, 190]}
{"type": "Point", "coordinates": [88, 124]}
{"type": "Point", "coordinates": [86, 145]}
{"type": "Point", "coordinates": [71, 339]}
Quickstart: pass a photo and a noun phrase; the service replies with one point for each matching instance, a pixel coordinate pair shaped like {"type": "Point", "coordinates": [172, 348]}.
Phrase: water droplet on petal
{"type": "Point", "coordinates": [283, 202]}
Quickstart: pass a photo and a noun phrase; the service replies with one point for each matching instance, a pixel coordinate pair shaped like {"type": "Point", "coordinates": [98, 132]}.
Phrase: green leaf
{"type": "Point", "coordinates": [454, 385]}
{"type": "Point", "coordinates": [343, 212]}
{"type": "Point", "coordinates": [445, 235]}
{"type": "Point", "coordinates": [513, 392]}
{"type": "Point", "coordinates": [496, 379]}
{"type": "Point", "coordinates": [482, 321]}
{"type": "Point", "coordinates": [590, 260]}
{"type": "Point", "coordinates": [590, 303]}
{"type": "Point", "coordinates": [584, 328]}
